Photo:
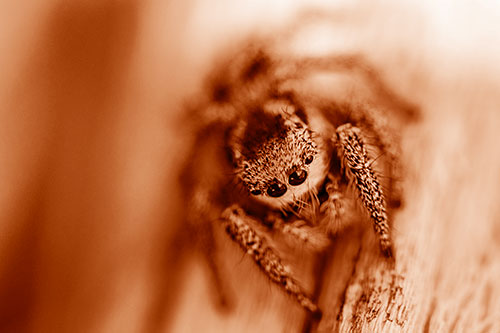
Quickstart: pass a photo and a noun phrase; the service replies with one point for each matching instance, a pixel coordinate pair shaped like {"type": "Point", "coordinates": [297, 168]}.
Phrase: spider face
{"type": "Point", "coordinates": [279, 157]}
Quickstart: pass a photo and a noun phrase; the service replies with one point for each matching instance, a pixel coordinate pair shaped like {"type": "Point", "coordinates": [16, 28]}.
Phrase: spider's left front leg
{"type": "Point", "coordinates": [357, 166]}
{"type": "Point", "coordinates": [238, 227]}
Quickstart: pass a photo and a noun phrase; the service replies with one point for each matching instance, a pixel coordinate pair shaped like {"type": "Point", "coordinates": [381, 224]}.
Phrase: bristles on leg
{"type": "Point", "coordinates": [358, 169]}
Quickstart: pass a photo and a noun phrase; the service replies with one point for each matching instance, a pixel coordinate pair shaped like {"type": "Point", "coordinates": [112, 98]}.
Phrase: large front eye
{"type": "Point", "coordinates": [297, 177]}
{"type": "Point", "coordinates": [276, 190]}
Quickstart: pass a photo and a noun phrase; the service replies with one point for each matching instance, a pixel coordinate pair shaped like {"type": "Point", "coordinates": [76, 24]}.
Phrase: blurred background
{"type": "Point", "coordinates": [91, 93]}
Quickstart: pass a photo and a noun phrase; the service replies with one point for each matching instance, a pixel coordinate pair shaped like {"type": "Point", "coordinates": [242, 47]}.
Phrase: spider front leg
{"type": "Point", "coordinates": [237, 225]}
{"type": "Point", "coordinates": [357, 166]}
{"type": "Point", "coordinates": [202, 231]}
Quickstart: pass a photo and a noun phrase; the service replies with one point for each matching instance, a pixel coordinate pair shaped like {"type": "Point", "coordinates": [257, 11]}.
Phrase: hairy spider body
{"type": "Point", "coordinates": [269, 155]}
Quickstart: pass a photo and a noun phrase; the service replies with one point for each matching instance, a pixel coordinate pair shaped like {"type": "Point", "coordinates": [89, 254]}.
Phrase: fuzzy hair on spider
{"type": "Point", "coordinates": [301, 165]}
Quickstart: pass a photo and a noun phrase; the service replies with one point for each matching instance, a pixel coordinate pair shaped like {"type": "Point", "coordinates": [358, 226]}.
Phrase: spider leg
{"type": "Point", "coordinates": [202, 231]}
{"type": "Point", "coordinates": [222, 293]}
{"type": "Point", "coordinates": [356, 64]}
{"type": "Point", "coordinates": [236, 224]}
{"type": "Point", "coordinates": [200, 182]}
{"type": "Point", "coordinates": [386, 140]}
{"type": "Point", "coordinates": [357, 167]}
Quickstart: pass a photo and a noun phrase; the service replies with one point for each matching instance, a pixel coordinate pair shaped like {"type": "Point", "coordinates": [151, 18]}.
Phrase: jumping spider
{"type": "Point", "coordinates": [269, 153]}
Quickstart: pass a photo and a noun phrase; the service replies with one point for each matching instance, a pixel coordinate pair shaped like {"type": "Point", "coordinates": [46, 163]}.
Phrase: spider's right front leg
{"type": "Point", "coordinates": [236, 223]}
{"type": "Point", "coordinates": [357, 165]}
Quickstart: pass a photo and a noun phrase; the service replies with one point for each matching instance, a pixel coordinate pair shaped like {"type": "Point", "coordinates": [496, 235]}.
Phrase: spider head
{"type": "Point", "coordinates": [277, 156]}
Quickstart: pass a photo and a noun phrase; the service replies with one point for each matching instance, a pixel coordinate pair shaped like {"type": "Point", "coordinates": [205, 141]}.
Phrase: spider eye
{"type": "Point", "coordinates": [309, 159]}
{"type": "Point", "coordinates": [297, 177]}
{"type": "Point", "coordinates": [256, 192]}
{"type": "Point", "coordinates": [276, 190]}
